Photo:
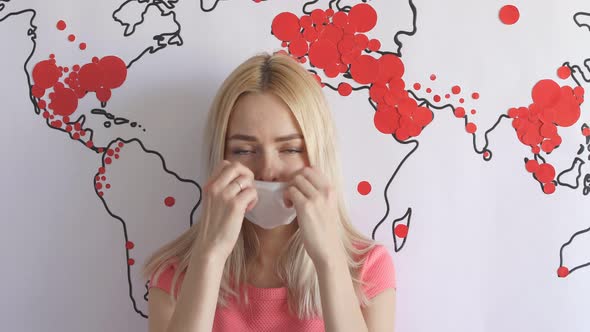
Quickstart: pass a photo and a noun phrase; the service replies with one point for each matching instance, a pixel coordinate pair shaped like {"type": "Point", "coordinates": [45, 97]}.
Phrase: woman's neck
{"type": "Point", "coordinates": [272, 242]}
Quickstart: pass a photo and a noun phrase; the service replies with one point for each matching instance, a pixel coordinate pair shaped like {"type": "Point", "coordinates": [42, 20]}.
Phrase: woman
{"type": "Point", "coordinates": [273, 249]}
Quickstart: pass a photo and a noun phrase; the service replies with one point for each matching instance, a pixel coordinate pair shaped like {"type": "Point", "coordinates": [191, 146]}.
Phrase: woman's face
{"type": "Point", "coordinates": [264, 135]}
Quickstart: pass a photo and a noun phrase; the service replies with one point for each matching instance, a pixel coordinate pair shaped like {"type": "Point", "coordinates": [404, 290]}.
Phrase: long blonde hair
{"type": "Point", "coordinates": [283, 76]}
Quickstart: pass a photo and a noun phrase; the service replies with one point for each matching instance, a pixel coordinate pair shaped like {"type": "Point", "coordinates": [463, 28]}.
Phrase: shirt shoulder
{"type": "Point", "coordinates": [378, 271]}
{"type": "Point", "coordinates": [162, 278]}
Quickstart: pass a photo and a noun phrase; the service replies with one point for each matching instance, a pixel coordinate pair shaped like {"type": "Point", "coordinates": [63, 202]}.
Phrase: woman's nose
{"type": "Point", "coordinates": [267, 167]}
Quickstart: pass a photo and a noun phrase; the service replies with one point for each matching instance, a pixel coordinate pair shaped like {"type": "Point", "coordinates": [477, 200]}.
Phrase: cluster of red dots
{"type": "Point", "coordinates": [460, 111]}
{"type": "Point", "coordinates": [537, 125]}
{"type": "Point", "coordinates": [99, 76]}
{"type": "Point", "coordinates": [61, 25]}
{"type": "Point", "coordinates": [334, 42]}
{"type": "Point", "coordinates": [130, 245]}
{"type": "Point", "coordinates": [100, 181]}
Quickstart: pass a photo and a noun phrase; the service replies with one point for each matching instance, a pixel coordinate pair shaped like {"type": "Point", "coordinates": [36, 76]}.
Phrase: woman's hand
{"type": "Point", "coordinates": [315, 201]}
{"type": "Point", "coordinates": [225, 204]}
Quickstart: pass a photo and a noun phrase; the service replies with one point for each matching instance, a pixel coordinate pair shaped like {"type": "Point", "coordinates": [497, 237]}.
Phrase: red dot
{"type": "Point", "coordinates": [386, 120]}
{"type": "Point", "coordinates": [432, 77]}
{"type": "Point", "coordinates": [344, 89]}
{"type": "Point", "coordinates": [545, 173]}
{"type": "Point", "coordinates": [98, 185]}
{"type": "Point", "coordinates": [509, 14]}
{"type": "Point", "coordinates": [285, 26]}
{"type": "Point", "coordinates": [108, 160]}
{"type": "Point", "coordinates": [298, 47]}
{"type": "Point", "coordinates": [475, 95]}
{"type": "Point", "coordinates": [417, 86]}
{"type": "Point", "coordinates": [71, 38]}
{"type": "Point", "coordinates": [129, 245]}
{"type": "Point", "coordinates": [45, 74]}
{"type": "Point", "coordinates": [563, 72]}
{"type": "Point", "coordinates": [169, 201]}
{"type": "Point", "coordinates": [364, 188]}
{"type": "Point", "coordinates": [103, 178]}
{"type": "Point", "coordinates": [447, 96]}
{"type": "Point", "coordinates": [459, 112]}
{"type": "Point", "coordinates": [323, 53]}
{"type": "Point", "coordinates": [108, 186]}
{"type": "Point", "coordinates": [61, 25]}
{"type": "Point", "coordinates": [532, 166]}
{"type": "Point", "coordinates": [563, 272]}
{"type": "Point", "coordinates": [401, 230]}
{"type": "Point", "coordinates": [486, 154]}
{"type": "Point", "coordinates": [365, 69]}
{"type": "Point", "coordinates": [101, 170]}
{"type": "Point", "coordinates": [363, 17]}
{"type": "Point", "coordinates": [549, 188]}
{"type": "Point", "coordinates": [428, 90]}
{"type": "Point", "coordinates": [473, 111]}
{"type": "Point", "coordinates": [131, 261]}
{"type": "Point", "coordinates": [461, 100]}
{"type": "Point", "coordinates": [471, 127]}
{"type": "Point", "coordinates": [437, 98]}
{"type": "Point", "coordinates": [586, 131]}
{"type": "Point", "coordinates": [546, 93]}
{"type": "Point", "coordinates": [82, 46]}
{"type": "Point", "coordinates": [374, 45]}
{"type": "Point", "coordinates": [456, 89]}
{"type": "Point", "coordinates": [120, 144]}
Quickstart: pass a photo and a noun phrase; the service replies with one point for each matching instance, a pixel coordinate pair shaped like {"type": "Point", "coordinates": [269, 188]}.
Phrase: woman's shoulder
{"type": "Point", "coordinates": [378, 270]}
{"type": "Point", "coordinates": [163, 276]}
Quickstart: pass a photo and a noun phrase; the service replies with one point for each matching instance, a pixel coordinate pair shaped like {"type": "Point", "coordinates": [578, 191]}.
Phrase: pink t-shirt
{"type": "Point", "coordinates": [267, 309]}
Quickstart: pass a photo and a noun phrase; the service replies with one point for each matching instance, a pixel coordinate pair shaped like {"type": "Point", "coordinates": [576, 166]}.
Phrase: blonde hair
{"type": "Point", "coordinates": [284, 77]}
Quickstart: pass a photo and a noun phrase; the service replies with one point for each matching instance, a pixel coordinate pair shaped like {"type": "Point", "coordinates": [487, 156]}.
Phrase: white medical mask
{"type": "Point", "coordinates": [270, 210]}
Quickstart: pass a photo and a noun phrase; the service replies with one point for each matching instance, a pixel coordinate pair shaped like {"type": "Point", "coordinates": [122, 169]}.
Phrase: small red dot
{"type": "Point", "coordinates": [364, 188]}
{"type": "Point", "coordinates": [563, 72]}
{"type": "Point", "coordinates": [471, 127]}
{"type": "Point", "coordinates": [509, 14]}
{"type": "Point", "coordinates": [563, 272]}
{"type": "Point", "coordinates": [82, 46]}
{"type": "Point", "coordinates": [549, 188]}
{"type": "Point", "coordinates": [437, 98]}
{"type": "Point", "coordinates": [532, 166]}
{"type": "Point", "coordinates": [428, 90]}
{"type": "Point", "coordinates": [586, 131]}
{"type": "Point", "coordinates": [475, 95]}
{"type": "Point", "coordinates": [131, 261]}
{"type": "Point", "coordinates": [129, 245]}
{"type": "Point", "coordinates": [61, 25]}
{"type": "Point", "coordinates": [417, 86]}
{"type": "Point", "coordinates": [71, 38]}
{"type": "Point", "coordinates": [401, 230]}
{"type": "Point", "coordinates": [169, 201]}
{"type": "Point", "coordinates": [456, 90]}
{"type": "Point", "coordinates": [432, 77]}
{"type": "Point", "coordinates": [344, 89]}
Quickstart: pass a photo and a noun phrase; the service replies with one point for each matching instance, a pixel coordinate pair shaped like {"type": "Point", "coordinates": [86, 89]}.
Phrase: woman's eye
{"type": "Point", "coordinates": [241, 152]}
{"type": "Point", "coordinates": [293, 150]}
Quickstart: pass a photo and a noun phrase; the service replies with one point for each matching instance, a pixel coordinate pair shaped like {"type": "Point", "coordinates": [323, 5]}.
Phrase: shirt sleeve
{"type": "Point", "coordinates": [378, 271]}
{"type": "Point", "coordinates": [164, 279]}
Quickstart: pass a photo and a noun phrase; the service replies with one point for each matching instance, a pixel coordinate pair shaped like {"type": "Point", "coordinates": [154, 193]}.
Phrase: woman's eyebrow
{"type": "Point", "coordinates": [254, 139]}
